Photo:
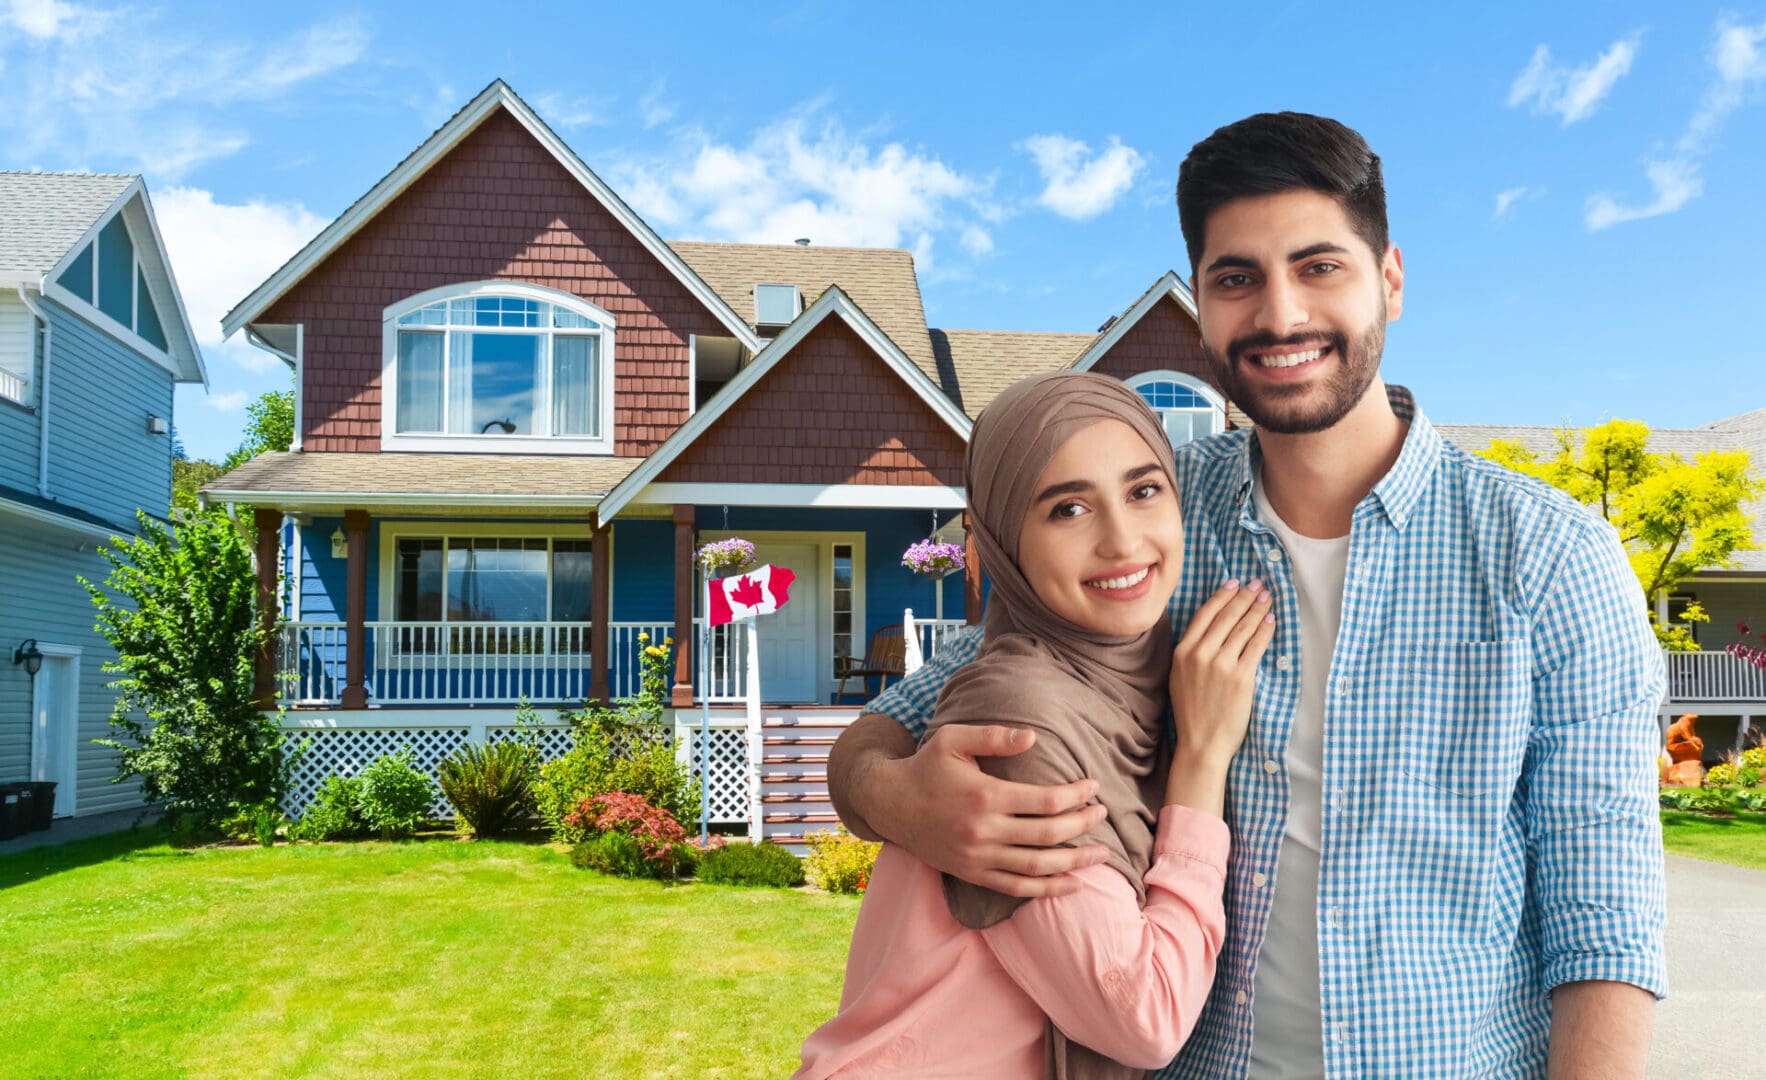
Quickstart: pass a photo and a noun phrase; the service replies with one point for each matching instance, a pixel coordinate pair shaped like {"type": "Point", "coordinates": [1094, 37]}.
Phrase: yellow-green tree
{"type": "Point", "coordinates": [1674, 516]}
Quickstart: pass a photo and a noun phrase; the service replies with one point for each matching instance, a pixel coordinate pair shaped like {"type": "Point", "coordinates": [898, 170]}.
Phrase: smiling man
{"type": "Point", "coordinates": [1447, 855]}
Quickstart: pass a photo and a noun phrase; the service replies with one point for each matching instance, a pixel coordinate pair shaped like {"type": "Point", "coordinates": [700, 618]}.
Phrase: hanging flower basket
{"type": "Point", "coordinates": [732, 554]}
{"type": "Point", "coordinates": [933, 560]}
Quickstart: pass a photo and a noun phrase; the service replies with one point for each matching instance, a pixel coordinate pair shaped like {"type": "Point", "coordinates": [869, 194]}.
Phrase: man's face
{"type": "Point", "coordinates": [1294, 308]}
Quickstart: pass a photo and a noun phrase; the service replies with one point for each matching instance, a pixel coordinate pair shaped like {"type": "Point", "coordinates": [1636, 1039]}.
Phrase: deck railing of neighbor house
{"type": "Point", "coordinates": [1713, 676]}
{"type": "Point", "coordinates": [11, 386]}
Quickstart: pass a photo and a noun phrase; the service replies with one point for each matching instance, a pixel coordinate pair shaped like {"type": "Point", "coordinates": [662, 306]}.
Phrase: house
{"type": "Point", "coordinates": [521, 411]}
{"type": "Point", "coordinates": [1728, 694]}
{"type": "Point", "coordinates": [93, 336]}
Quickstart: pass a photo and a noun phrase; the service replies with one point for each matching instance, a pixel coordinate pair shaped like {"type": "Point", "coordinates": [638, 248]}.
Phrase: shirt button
{"type": "Point", "coordinates": [1342, 1032]}
{"type": "Point", "coordinates": [1273, 555]}
{"type": "Point", "coordinates": [1260, 879]}
{"type": "Point", "coordinates": [1343, 687]}
{"type": "Point", "coordinates": [1271, 766]}
{"type": "Point", "coordinates": [1284, 663]}
{"type": "Point", "coordinates": [1241, 997]}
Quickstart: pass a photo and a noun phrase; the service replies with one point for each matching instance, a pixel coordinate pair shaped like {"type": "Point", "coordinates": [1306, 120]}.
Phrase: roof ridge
{"type": "Point", "coordinates": [792, 247]}
{"type": "Point", "coordinates": [70, 172]}
{"type": "Point", "coordinates": [982, 330]}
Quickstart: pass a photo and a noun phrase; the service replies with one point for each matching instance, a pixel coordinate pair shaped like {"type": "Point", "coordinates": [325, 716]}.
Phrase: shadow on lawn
{"type": "Point", "coordinates": [35, 864]}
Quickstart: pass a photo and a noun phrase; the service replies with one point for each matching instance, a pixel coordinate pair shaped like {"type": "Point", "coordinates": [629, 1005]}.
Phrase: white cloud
{"type": "Point", "coordinates": [567, 112]}
{"type": "Point", "coordinates": [1506, 199]}
{"type": "Point", "coordinates": [1572, 93]}
{"type": "Point", "coordinates": [976, 241]}
{"type": "Point", "coordinates": [1676, 183]}
{"type": "Point", "coordinates": [232, 401]}
{"type": "Point", "coordinates": [653, 108]}
{"type": "Point", "coordinates": [47, 20]}
{"type": "Point", "coordinates": [220, 251]}
{"type": "Point", "coordinates": [1078, 185]}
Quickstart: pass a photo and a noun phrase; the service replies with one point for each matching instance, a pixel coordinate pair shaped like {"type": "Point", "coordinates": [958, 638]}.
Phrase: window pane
{"type": "Point", "coordinates": [420, 382]}
{"type": "Point", "coordinates": [504, 372]}
{"type": "Point", "coordinates": [842, 602]}
{"type": "Point", "coordinates": [418, 582]}
{"type": "Point", "coordinates": [146, 317]}
{"type": "Point", "coordinates": [116, 271]}
{"type": "Point", "coordinates": [571, 580]}
{"type": "Point", "coordinates": [570, 320]}
{"type": "Point", "coordinates": [496, 580]}
{"type": "Point", "coordinates": [434, 315]}
{"type": "Point", "coordinates": [77, 278]}
{"type": "Point", "coordinates": [575, 407]}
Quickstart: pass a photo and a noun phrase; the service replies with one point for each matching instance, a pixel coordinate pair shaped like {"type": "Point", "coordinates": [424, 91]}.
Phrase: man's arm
{"type": "Point", "coordinates": [1600, 1031]}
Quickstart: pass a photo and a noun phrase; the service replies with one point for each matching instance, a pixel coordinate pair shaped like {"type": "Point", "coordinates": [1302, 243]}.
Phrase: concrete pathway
{"type": "Point", "coordinates": [1709, 1028]}
{"type": "Point", "coordinates": [62, 830]}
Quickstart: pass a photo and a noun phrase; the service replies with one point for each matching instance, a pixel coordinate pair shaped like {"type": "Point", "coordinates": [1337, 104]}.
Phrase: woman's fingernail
{"type": "Point", "coordinates": [1231, 583]}
{"type": "Point", "coordinates": [1256, 583]}
{"type": "Point", "coordinates": [1263, 597]}
{"type": "Point", "coordinates": [1270, 617]}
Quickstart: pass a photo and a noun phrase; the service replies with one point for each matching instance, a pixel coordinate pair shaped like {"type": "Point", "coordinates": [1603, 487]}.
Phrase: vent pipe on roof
{"type": "Point", "coordinates": [802, 241]}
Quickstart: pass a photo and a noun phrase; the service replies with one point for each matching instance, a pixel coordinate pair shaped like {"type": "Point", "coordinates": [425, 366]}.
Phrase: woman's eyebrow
{"type": "Point", "coordinates": [1067, 487]}
{"type": "Point", "coordinates": [1139, 471]}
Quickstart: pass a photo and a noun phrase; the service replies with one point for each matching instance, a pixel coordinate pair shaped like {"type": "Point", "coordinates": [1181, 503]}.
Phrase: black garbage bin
{"type": "Point", "coordinates": [11, 804]}
{"type": "Point", "coordinates": [42, 804]}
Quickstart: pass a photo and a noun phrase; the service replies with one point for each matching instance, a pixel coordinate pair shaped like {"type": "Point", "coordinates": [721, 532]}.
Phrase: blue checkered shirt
{"type": "Point", "coordinates": [1490, 827]}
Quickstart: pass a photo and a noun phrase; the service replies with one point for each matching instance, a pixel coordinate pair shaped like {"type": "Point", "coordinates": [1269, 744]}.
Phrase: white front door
{"type": "Point", "coordinates": [55, 723]}
{"type": "Point", "coordinates": [791, 660]}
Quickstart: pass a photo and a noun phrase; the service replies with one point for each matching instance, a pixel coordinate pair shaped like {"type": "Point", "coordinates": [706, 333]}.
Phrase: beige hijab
{"type": "Point", "coordinates": [1096, 702]}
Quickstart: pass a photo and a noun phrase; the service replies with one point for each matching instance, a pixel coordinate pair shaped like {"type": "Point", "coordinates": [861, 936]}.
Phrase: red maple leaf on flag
{"type": "Point", "coordinates": [747, 592]}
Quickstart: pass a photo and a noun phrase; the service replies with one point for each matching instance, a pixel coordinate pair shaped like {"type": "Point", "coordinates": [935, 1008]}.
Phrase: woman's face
{"type": "Point", "coordinates": [1102, 542]}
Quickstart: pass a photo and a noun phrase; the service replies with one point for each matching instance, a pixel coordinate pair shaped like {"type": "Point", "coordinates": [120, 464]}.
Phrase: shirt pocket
{"type": "Point", "coordinates": [1464, 727]}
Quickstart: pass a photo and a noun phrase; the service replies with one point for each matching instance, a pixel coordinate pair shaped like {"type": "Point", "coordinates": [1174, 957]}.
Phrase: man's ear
{"type": "Point", "coordinates": [1392, 273]}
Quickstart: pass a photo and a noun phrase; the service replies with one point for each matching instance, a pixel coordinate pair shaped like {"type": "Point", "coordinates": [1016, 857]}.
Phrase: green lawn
{"type": "Point", "coordinates": [1739, 841]}
{"type": "Point", "coordinates": [125, 957]}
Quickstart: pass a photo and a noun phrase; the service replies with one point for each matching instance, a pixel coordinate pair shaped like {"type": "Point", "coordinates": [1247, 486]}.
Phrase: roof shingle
{"type": "Point", "coordinates": [43, 214]}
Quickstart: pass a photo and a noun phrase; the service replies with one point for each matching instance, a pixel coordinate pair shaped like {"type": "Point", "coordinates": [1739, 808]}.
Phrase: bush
{"type": "Point", "coordinates": [618, 749]}
{"type": "Point", "coordinates": [1720, 775]}
{"type": "Point", "coordinates": [658, 836]}
{"type": "Point", "coordinates": [765, 863]}
{"type": "Point", "coordinates": [490, 786]}
{"type": "Point", "coordinates": [259, 822]}
{"type": "Point", "coordinates": [619, 855]}
{"type": "Point", "coordinates": [1754, 757]}
{"type": "Point", "coordinates": [335, 812]}
{"type": "Point", "coordinates": [1701, 800]}
{"type": "Point", "coordinates": [395, 797]}
{"type": "Point", "coordinates": [839, 861]}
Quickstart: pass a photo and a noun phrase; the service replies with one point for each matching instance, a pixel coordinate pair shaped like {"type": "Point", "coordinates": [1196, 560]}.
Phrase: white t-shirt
{"type": "Point", "coordinates": [1287, 1032]}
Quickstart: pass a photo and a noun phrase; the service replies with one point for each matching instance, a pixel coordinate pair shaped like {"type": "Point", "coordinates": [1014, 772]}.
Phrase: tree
{"type": "Point", "coordinates": [1674, 517]}
{"type": "Point", "coordinates": [269, 426]}
{"type": "Point", "coordinates": [183, 621]}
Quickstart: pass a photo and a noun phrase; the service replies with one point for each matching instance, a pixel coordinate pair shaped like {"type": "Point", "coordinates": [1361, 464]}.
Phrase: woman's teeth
{"type": "Point", "coordinates": [1128, 582]}
{"type": "Point", "coordinates": [1289, 359]}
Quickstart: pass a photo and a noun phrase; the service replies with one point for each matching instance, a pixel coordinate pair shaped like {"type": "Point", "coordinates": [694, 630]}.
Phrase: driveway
{"type": "Point", "coordinates": [1709, 1028]}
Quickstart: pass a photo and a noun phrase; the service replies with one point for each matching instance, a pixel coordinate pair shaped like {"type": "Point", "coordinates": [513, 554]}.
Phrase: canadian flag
{"type": "Point", "coordinates": [758, 592]}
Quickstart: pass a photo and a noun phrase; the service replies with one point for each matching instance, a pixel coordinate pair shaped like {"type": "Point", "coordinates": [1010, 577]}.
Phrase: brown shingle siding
{"type": "Point", "coordinates": [1165, 339]}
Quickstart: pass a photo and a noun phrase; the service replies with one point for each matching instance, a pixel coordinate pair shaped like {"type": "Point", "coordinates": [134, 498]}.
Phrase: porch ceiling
{"type": "Point", "coordinates": [428, 482]}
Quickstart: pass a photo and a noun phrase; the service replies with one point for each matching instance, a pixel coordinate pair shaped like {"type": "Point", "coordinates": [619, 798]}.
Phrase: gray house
{"type": "Point", "coordinates": [93, 335]}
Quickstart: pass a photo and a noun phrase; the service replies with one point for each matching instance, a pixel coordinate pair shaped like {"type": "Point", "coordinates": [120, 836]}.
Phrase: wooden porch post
{"type": "Point", "coordinates": [269, 554]}
{"type": "Point", "coordinates": [682, 694]}
{"type": "Point", "coordinates": [355, 690]}
{"type": "Point", "coordinates": [600, 612]}
{"type": "Point", "coordinates": [971, 577]}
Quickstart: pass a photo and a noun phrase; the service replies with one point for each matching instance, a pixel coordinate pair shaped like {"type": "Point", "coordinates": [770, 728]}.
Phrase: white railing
{"type": "Point", "coordinates": [310, 661]}
{"type": "Point", "coordinates": [624, 674]}
{"type": "Point", "coordinates": [1713, 676]}
{"type": "Point", "coordinates": [924, 638]}
{"type": "Point", "coordinates": [13, 386]}
{"type": "Point", "coordinates": [722, 670]}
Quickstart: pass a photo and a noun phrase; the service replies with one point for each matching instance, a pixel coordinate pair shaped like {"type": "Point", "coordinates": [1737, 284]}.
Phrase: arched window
{"type": "Point", "coordinates": [1188, 407]}
{"type": "Point", "coordinates": [503, 365]}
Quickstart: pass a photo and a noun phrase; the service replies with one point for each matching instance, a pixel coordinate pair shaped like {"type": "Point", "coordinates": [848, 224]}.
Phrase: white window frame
{"type": "Point", "coordinates": [393, 531]}
{"type": "Point", "coordinates": [391, 440]}
{"type": "Point", "coordinates": [796, 301]}
{"type": "Point", "coordinates": [1217, 404]}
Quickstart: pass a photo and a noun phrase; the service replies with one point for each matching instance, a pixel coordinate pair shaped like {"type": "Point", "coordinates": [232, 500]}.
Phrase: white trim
{"type": "Point", "coordinates": [296, 553]}
{"type": "Point", "coordinates": [692, 375]}
{"type": "Point", "coordinates": [91, 313]}
{"type": "Point", "coordinates": [393, 531]}
{"type": "Point", "coordinates": [40, 764]}
{"type": "Point", "coordinates": [496, 95]}
{"type": "Point", "coordinates": [1168, 285]}
{"type": "Point", "coordinates": [319, 500]}
{"type": "Point", "coordinates": [74, 525]}
{"type": "Point", "coordinates": [826, 496]}
{"type": "Point", "coordinates": [465, 442]}
{"type": "Point", "coordinates": [832, 302]}
{"type": "Point", "coordinates": [1216, 403]}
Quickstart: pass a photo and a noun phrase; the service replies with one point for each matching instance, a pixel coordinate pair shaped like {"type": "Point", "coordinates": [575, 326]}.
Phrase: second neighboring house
{"type": "Point", "coordinates": [93, 336]}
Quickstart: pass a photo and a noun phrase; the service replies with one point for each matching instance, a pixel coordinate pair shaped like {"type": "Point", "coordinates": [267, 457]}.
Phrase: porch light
{"type": "Point", "coordinates": [340, 544]}
{"type": "Point", "coordinates": [30, 656]}
{"type": "Point", "coordinates": [156, 425]}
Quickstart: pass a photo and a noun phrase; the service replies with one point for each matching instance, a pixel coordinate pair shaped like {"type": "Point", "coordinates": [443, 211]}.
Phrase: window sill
{"type": "Point", "coordinates": [21, 406]}
{"type": "Point", "coordinates": [495, 444]}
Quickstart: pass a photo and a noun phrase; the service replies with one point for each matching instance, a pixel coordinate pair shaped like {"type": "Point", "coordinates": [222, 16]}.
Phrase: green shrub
{"type": "Point", "coordinates": [617, 854]}
{"type": "Point", "coordinates": [335, 812]}
{"type": "Point", "coordinates": [608, 757]}
{"type": "Point", "coordinates": [1754, 757]}
{"type": "Point", "coordinates": [765, 863]}
{"type": "Point", "coordinates": [395, 797]}
{"type": "Point", "coordinates": [490, 786]}
{"type": "Point", "coordinates": [259, 821]}
{"type": "Point", "coordinates": [1720, 775]}
{"type": "Point", "coordinates": [840, 862]}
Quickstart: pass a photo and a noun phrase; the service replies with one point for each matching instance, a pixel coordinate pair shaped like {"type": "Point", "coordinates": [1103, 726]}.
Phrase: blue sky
{"type": "Point", "coordinates": [1576, 187]}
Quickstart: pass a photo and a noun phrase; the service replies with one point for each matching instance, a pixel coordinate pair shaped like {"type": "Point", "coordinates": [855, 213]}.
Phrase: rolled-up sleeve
{"type": "Point", "coordinates": [1590, 781]}
{"type": "Point", "coordinates": [1127, 981]}
{"type": "Point", "coordinates": [912, 701]}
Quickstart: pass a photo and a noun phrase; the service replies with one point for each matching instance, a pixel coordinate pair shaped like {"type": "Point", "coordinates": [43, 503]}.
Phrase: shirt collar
{"type": "Point", "coordinates": [1397, 493]}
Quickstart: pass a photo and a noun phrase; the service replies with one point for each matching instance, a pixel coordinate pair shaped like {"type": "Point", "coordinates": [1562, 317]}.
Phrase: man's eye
{"type": "Point", "coordinates": [1324, 268]}
{"type": "Point", "coordinates": [1232, 281]}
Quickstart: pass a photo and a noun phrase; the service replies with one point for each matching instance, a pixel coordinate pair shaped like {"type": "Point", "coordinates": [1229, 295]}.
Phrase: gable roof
{"type": "Point", "coordinates": [832, 303]}
{"type": "Point", "coordinates": [975, 365]}
{"type": "Point", "coordinates": [291, 480]}
{"type": "Point", "coordinates": [496, 96]}
{"type": "Point", "coordinates": [879, 280]}
{"type": "Point", "coordinates": [47, 219]}
{"type": "Point", "coordinates": [1168, 285]}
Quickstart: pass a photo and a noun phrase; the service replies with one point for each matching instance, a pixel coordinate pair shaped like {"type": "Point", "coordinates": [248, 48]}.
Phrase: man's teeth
{"type": "Point", "coordinates": [1128, 582]}
{"type": "Point", "coordinates": [1289, 359]}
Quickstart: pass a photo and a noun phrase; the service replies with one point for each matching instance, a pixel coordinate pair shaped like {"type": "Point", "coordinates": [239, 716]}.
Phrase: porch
{"type": "Point", "coordinates": [1727, 693]}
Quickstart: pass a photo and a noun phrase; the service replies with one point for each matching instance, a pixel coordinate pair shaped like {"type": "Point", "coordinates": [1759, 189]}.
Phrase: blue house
{"type": "Point", "coordinates": [93, 336]}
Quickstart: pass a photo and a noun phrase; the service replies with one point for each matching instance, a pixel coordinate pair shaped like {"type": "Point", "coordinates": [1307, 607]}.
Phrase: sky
{"type": "Point", "coordinates": [1576, 188]}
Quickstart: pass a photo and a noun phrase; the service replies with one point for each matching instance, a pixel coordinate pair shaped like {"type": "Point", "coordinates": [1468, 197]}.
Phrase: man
{"type": "Point", "coordinates": [1447, 854]}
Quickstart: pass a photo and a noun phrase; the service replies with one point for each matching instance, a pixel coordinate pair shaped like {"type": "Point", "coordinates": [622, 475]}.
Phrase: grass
{"type": "Point", "coordinates": [126, 957]}
{"type": "Point", "coordinates": [1739, 841]}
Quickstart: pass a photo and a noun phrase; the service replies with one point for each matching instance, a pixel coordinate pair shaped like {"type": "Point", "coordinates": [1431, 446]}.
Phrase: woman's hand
{"type": "Point", "coordinates": [1213, 674]}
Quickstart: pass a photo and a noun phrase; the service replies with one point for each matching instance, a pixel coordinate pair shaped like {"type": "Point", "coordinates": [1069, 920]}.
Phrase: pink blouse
{"type": "Point", "coordinates": [927, 997]}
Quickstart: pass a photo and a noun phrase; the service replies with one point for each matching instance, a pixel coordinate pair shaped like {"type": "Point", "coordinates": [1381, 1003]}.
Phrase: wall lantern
{"type": "Point", "coordinates": [340, 544]}
{"type": "Point", "coordinates": [30, 656]}
{"type": "Point", "coordinates": [156, 425]}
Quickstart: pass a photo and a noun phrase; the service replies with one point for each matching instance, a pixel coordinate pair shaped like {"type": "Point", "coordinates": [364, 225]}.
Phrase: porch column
{"type": "Point", "coordinates": [682, 693]}
{"type": "Point", "coordinates": [600, 612]}
{"type": "Point", "coordinates": [971, 577]}
{"type": "Point", "coordinates": [355, 690]}
{"type": "Point", "coordinates": [269, 556]}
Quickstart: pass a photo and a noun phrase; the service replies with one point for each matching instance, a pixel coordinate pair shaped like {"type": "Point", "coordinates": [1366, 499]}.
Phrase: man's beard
{"type": "Point", "coordinates": [1284, 409]}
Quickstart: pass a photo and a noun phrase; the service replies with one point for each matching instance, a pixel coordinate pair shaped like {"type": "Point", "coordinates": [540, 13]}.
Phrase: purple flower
{"type": "Point", "coordinates": [932, 559]}
{"type": "Point", "coordinates": [734, 553]}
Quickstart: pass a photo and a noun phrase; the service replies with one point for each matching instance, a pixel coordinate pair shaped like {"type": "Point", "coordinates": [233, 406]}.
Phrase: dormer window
{"type": "Point", "coordinates": [776, 305]}
{"type": "Point", "coordinates": [498, 366]}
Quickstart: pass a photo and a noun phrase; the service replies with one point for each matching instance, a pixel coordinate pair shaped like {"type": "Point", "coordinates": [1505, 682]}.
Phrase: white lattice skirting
{"type": "Point", "coordinates": [346, 751]}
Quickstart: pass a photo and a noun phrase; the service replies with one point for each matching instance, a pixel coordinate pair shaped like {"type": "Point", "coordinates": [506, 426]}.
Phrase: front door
{"type": "Point", "coordinates": [55, 715]}
{"type": "Point", "coordinates": [790, 646]}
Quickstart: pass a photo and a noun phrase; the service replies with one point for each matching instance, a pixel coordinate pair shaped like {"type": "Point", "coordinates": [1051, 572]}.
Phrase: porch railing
{"type": "Point", "coordinates": [1713, 676]}
{"type": "Point", "coordinates": [12, 386]}
{"type": "Point", "coordinates": [725, 678]}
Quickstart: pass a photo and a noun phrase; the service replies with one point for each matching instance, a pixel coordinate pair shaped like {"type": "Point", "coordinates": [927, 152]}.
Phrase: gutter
{"type": "Point", "coordinates": [42, 389]}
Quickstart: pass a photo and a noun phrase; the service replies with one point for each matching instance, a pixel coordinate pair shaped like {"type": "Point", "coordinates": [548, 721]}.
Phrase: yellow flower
{"type": "Point", "coordinates": [654, 651]}
{"type": "Point", "coordinates": [643, 636]}
{"type": "Point", "coordinates": [668, 641]}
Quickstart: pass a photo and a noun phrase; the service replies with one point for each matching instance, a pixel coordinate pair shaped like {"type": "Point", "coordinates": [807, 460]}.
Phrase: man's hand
{"type": "Point", "coordinates": [1600, 1031]}
{"type": "Point", "coordinates": [946, 812]}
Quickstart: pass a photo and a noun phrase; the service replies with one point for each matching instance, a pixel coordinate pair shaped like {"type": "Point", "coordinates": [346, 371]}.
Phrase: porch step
{"type": "Point", "coordinates": [829, 818]}
{"type": "Point", "coordinates": [806, 797]}
{"type": "Point", "coordinates": [793, 740]}
{"type": "Point", "coordinates": [793, 778]}
{"type": "Point", "coordinates": [794, 759]}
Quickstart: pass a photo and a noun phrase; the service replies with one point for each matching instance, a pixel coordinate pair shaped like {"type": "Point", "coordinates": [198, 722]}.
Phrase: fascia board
{"type": "Point", "coordinates": [1169, 284]}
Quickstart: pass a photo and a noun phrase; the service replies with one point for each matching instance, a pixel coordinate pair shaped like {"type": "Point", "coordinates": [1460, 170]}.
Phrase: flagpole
{"type": "Point", "coordinates": [705, 710]}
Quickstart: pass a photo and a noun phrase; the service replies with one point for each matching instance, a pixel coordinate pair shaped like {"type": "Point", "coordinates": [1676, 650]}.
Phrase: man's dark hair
{"type": "Point", "coordinates": [1275, 152]}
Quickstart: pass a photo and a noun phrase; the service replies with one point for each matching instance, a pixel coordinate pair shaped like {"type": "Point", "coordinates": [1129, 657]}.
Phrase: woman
{"type": "Point", "coordinates": [1074, 511]}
